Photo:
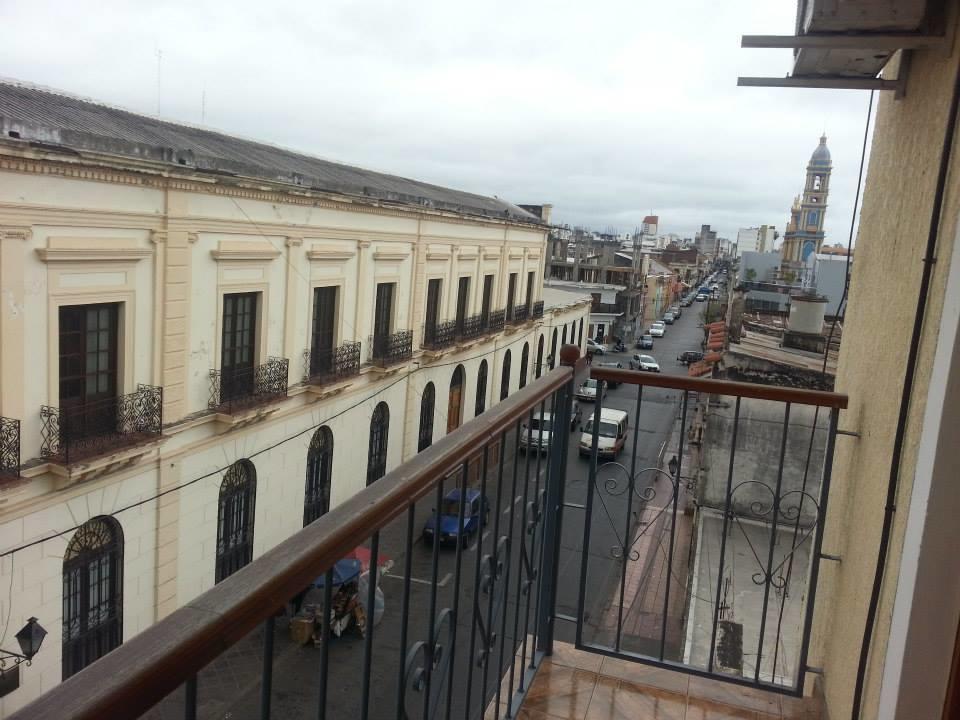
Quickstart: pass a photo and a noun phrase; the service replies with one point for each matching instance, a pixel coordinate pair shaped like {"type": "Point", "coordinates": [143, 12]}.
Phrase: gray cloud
{"type": "Point", "coordinates": [609, 110]}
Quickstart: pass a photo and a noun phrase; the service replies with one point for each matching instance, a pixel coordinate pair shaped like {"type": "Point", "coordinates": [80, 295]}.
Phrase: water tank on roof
{"type": "Point", "coordinates": [806, 314]}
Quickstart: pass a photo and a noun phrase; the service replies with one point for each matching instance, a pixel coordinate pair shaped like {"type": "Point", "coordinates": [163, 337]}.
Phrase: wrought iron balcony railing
{"type": "Point", "coordinates": [464, 631]}
{"type": "Point", "coordinates": [537, 312]}
{"type": "Point", "coordinates": [391, 349]}
{"type": "Point", "coordinates": [232, 390]}
{"type": "Point", "coordinates": [9, 448]}
{"type": "Point", "coordinates": [331, 365]}
{"type": "Point", "coordinates": [520, 314]}
{"type": "Point", "coordinates": [470, 328]}
{"type": "Point", "coordinates": [496, 320]}
{"type": "Point", "coordinates": [82, 431]}
{"type": "Point", "coordinates": [437, 336]}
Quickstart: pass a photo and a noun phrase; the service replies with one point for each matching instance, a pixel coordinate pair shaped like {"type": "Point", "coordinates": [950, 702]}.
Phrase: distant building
{"type": "Point", "coordinates": [804, 233]}
{"type": "Point", "coordinates": [706, 241]}
{"type": "Point", "coordinates": [756, 239]}
{"type": "Point", "coordinates": [650, 224]}
{"type": "Point", "coordinates": [830, 276]}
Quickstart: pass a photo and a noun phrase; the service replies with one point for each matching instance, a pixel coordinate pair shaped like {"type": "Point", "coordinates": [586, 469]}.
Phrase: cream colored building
{"type": "Point", "coordinates": [146, 266]}
{"type": "Point", "coordinates": [887, 609]}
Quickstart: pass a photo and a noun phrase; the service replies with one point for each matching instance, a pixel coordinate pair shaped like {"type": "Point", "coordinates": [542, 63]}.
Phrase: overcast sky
{"type": "Point", "coordinates": [609, 110]}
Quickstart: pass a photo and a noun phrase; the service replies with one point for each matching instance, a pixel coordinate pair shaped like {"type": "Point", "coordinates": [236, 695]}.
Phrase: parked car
{"type": "Point", "coordinates": [595, 348]}
{"type": "Point", "coordinates": [612, 433]}
{"type": "Point", "coordinates": [701, 297]}
{"type": "Point", "coordinates": [587, 390]}
{"type": "Point", "coordinates": [687, 301]}
{"type": "Point", "coordinates": [475, 514]}
{"type": "Point", "coordinates": [644, 362]}
{"type": "Point", "coordinates": [690, 356]}
{"type": "Point", "coordinates": [612, 384]}
{"type": "Point", "coordinates": [658, 329]}
{"type": "Point", "coordinates": [668, 318]}
{"type": "Point", "coordinates": [537, 437]}
{"type": "Point", "coordinates": [677, 312]}
{"type": "Point", "coordinates": [645, 342]}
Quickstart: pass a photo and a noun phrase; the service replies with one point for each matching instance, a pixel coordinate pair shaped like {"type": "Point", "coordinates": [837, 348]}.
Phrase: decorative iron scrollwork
{"type": "Point", "coordinates": [426, 663]}
{"type": "Point", "coordinates": [492, 573]}
{"type": "Point", "coordinates": [618, 486]}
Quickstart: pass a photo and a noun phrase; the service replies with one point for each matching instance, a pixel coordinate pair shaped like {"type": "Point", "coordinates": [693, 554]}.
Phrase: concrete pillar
{"type": "Point", "coordinates": [297, 287]}
{"type": "Point", "coordinates": [176, 253]}
{"type": "Point", "coordinates": [168, 539]}
{"type": "Point", "coordinates": [13, 250]}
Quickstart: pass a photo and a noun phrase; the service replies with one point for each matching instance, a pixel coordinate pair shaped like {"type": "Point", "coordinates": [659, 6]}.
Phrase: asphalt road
{"type": "Point", "coordinates": [444, 579]}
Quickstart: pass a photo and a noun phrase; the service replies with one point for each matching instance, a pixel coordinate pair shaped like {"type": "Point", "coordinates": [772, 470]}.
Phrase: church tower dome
{"type": "Point", "coordinates": [821, 156]}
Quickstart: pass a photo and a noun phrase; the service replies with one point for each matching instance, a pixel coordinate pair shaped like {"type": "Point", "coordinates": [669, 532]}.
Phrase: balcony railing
{"type": "Point", "coordinates": [391, 349]}
{"type": "Point", "coordinates": [331, 365]}
{"type": "Point", "coordinates": [520, 315]}
{"type": "Point", "coordinates": [9, 448]}
{"type": "Point", "coordinates": [460, 631]}
{"type": "Point", "coordinates": [470, 328]}
{"type": "Point", "coordinates": [437, 336]}
{"type": "Point", "coordinates": [537, 312]}
{"type": "Point", "coordinates": [79, 432]}
{"type": "Point", "coordinates": [495, 321]}
{"type": "Point", "coordinates": [235, 390]}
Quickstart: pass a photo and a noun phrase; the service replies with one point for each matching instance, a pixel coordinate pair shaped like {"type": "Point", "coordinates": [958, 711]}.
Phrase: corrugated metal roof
{"type": "Point", "coordinates": [46, 116]}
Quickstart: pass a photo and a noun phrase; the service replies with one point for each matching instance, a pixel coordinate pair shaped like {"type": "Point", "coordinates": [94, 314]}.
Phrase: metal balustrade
{"type": "Point", "coordinates": [470, 328]}
{"type": "Point", "coordinates": [495, 321]}
{"type": "Point", "coordinates": [9, 448]}
{"type": "Point", "coordinates": [82, 431]}
{"type": "Point", "coordinates": [437, 336]}
{"type": "Point", "coordinates": [235, 389]}
{"type": "Point", "coordinates": [537, 312]}
{"type": "Point", "coordinates": [331, 365]}
{"type": "Point", "coordinates": [520, 314]}
{"type": "Point", "coordinates": [391, 349]}
{"type": "Point", "coordinates": [481, 549]}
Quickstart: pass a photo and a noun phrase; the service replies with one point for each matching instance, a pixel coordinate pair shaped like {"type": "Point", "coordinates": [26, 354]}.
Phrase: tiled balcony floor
{"type": "Point", "coordinates": [576, 685]}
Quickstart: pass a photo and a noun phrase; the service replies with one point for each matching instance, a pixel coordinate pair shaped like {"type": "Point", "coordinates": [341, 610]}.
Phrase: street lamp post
{"type": "Point", "coordinates": [30, 638]}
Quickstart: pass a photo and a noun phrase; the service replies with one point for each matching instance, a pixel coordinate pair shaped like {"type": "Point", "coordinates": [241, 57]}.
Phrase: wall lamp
{"type": "Point", "coordinates": [30, 639]}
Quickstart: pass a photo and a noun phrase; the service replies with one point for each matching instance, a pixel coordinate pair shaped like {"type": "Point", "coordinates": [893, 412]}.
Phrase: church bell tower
{"type": "Point", "coordinates": [804, 233]}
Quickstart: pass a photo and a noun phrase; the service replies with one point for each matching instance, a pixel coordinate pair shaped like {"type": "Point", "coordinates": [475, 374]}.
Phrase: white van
{"type": "Point", "coordinates": [613, 433]}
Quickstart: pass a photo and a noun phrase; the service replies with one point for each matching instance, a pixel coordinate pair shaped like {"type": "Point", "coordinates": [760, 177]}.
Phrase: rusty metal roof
{"type": "Point", "coordinates": [61, 121]}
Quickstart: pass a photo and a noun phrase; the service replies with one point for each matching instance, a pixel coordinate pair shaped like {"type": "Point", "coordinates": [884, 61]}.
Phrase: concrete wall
{"type": "Point", "coordinates": [831, 273]}
{"type": "Point", "coordinates": [894, 222]}
{"type": "Point", "coordinates": [168, 251]}
{"type": "Point", "coordinates": [762, 263]}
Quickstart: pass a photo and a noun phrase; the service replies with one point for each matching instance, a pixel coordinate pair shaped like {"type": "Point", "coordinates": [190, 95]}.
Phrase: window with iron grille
{"type": "Point", "coordinates": [92, 594]}
{"type": "Point", "coordinates": [316, 500]}
{"type": "Point", "coordinates": [511, 295]}
{"type": "Point", "coordinates": [487, 300]}
{"type": "Point", "coordinates": [238, 493]}
{"type": "Point", "coordinates": [481, 402]}
{"type": "Point", "coordinates": [553, 349]}
{"type": "Point", "coordinates": [463, 300]}
{"type": "Point", "coordinates": [524, 362]}
{"type": "Point", "coordinates": [580, 333]}
{"type": "Point", "coordinates": [563, 337]}
{"type": "Point", "coordinates": [428, 402]}
{"type": "Point", "coordinates": [433, 308]}
{"type": "Point", "coordinates": [455, 399]}
{"type": "Point", "coordinates": [505, 377]}
{"type": "Point", "coordinates": [238, 356]}
{"type": "Point", "coordinates": [383, 311]}
{"type": "Point", "coordinates": [324, 330]}
{"type": "Point", "coordinates": [530, 276]}
{"type": "Point", "coordinates": [88, 368]}
{"type": "Point", "coordinates": [539, 370]}
{"type": "Point", "coordinates": [377, 450]}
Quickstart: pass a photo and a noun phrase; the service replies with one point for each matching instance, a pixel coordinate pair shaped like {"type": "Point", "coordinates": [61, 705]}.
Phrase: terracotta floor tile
{"type": "Point", "coordinates": [567, 655]}
{"type": "Point", "coordinates": [735, 695]}
{"type": "Point", "coordinates": [707, 710]}
{"type": "Point", "coordinates": [618, 700]}
{"type": "Point", "coordinates": [641, 674]}
{"type": "Point", "coordinates": [561, 692]}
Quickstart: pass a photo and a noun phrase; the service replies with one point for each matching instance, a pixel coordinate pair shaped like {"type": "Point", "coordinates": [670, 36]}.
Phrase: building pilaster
{"type": "Point", "coordinates": [12, 342]}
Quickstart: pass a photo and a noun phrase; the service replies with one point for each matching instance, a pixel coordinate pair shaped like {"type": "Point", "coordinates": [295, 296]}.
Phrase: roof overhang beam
{"type": "Point", "coordinates": [846, 41]}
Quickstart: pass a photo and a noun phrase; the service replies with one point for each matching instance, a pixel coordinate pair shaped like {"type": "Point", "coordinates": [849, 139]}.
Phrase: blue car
{"type": "Point", "coordinates": [475, 515]}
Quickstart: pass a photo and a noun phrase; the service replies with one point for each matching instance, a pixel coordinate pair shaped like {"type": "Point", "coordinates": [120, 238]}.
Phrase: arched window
{"type": "Point", "coordinates": [524, 363]}
{"type": "Point", "coordinates": [580, 333]}
{"type": "Point", "coordinates": [563, 336]}
{"type": "Point", "coordinates": [539, 369]}
{"type": "Point", "coordinates": [92, 593]}
{"type": "Point", "coordinates": [455, 400]}
{"type": "Point", "coordinates": [316, 499]}
{"type": "Point", "coordinates": [377, 451]}
{"type": "Point", "coordinates": [238, 494]}
{"type": "Point", "coordinates": [505, 377]}
{"type": "Point", "coordinates": [481, 403]}
{"type": "Point", "coordinates": [428, 402]}
{"type": "Point", "coordinates": [553, 350]}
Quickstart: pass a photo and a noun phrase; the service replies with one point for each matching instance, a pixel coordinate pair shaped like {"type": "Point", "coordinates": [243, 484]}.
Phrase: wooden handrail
{"type": "Point", "coordinates": [721, 387]}
{"type": "Point", "coordinates": [134, 677]}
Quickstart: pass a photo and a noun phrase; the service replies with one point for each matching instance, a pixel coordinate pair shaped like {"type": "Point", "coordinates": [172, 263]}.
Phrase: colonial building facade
{"type": "Point", "coordinates": [205, 343]}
